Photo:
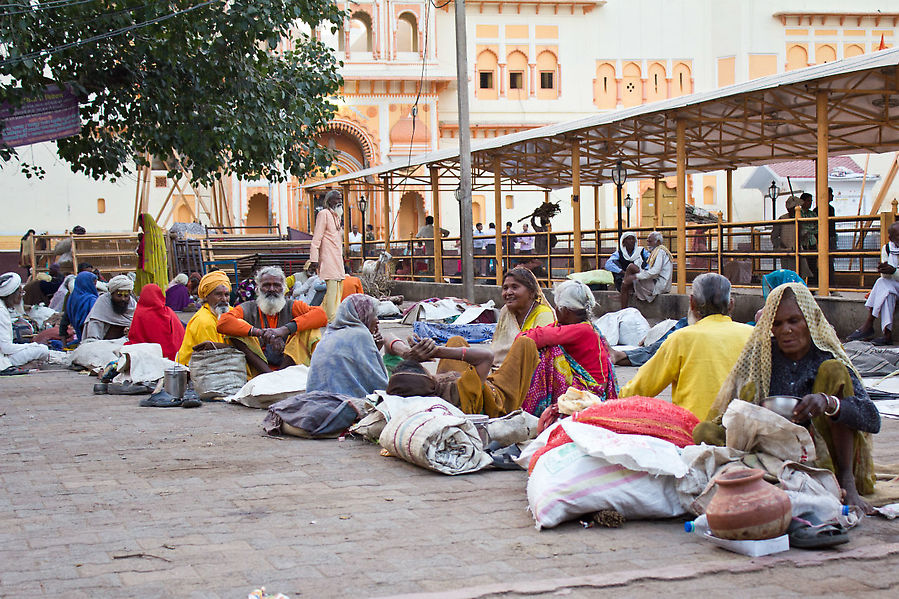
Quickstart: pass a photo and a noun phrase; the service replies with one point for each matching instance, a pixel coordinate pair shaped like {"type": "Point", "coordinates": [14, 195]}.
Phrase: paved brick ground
{"type": "Point", "coordinates": [101, 498]}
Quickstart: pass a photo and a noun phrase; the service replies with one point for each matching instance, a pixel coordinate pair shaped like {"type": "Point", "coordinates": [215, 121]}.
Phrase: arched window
{"type": "Point", "coordinates": [825, 53]}
{"type": "Point", "coordinates": [797, 57]}
{"type": "Point", "coordinates": [605, 93]}
{"type": "Point", "coordinates": [487, 85]}
{"type": "Point", "coordinates": [708, 195]}
{"type": "Point", "coordinates": [517, 69]}
{"type": "Point", "coordinates": [548, 75]}
{"type": "Point", "coordinates": [853, 50]}
{"type": "Point", "coordinates": [407, 33]}
{"type": "Point", "coordinates": [657, 86]}
{"type": "Point", "coordinates": [632, 92]}
{"type": "Point", "coordinates": [681, 80]}
{"type": "Point", "coordinates": [360, 33]}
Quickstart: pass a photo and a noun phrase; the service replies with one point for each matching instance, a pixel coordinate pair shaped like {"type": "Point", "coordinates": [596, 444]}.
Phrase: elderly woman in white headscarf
{"type": "Point", "coordinates": [628, 252]}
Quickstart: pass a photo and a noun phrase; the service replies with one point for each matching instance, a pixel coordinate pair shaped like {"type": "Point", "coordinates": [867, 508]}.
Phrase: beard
{"type": "Point", "coordinates": [120, 307]}
{"type": "Point", "coordinates": [221, 308]}
{"type": "Point", "coordinates": [271, 303]}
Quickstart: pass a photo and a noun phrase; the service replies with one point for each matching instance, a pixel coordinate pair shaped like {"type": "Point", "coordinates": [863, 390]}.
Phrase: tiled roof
{"type": "Point", "coordinates": [805, 169]}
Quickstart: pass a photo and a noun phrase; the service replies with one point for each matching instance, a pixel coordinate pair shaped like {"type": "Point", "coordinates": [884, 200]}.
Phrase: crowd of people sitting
{"type": "Point", "coordinates": [539, 350]}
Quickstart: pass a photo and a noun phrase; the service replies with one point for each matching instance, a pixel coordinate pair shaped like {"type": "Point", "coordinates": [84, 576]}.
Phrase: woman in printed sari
{"type": "Point", "coordinates": [152, 266]}
{"type": "Point", "coordinates": [525, 308]}
{"type": "Point", "coordinates": [795, 351]}
{"type": "Point", "coordinates": [539, 367]}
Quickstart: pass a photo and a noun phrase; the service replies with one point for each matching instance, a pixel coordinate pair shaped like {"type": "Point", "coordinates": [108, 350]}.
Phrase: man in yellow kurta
{"type": "Point", "coordinates": [214, 289]}
{"type": "Point", "coordinates": [696, 359]}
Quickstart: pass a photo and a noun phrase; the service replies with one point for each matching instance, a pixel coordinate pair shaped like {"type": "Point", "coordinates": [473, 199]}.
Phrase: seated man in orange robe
{"type": "Point", "coordinates": [273, 332]}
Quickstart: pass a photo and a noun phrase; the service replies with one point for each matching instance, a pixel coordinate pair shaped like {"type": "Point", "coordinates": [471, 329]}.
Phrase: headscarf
{"type": "Point", "coordinates": [792, 202]}
{"type": "Point", "coordinates": [637, 255]}
{"type": "Point", "coordinates": [507, 328]}
{"type": "Point", "coordinates": [211, 281]}
{"type": "Point", "coordinates": [59, 298]}
{"type": "Point", "coordinates": [180, 279]}
{"type": "Point", "coordinates": [754, 363]}
{"type": "Point", "coordinates": [120, 283]}
{"type": "Point", "coordinates": [574, 295]}
{"type": "Point", "coordinates": [154, 322]}
{"type": "Point", "coordinates": [346, 360]}
{"type": "Point", "coordinates": [81, 300]}
{"type": "Point", "coordinates": [9, 284]}
{"type": "Point", "coordinates": [892, 254]}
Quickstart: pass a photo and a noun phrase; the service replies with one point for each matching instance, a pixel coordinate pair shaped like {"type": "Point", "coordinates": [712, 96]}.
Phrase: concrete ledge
{"type": "Point", "coordinates": [845, 314]}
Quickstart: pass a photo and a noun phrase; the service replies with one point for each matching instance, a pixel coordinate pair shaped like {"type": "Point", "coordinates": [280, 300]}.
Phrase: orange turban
{"type": "Point", "coordinates": [212, 280]}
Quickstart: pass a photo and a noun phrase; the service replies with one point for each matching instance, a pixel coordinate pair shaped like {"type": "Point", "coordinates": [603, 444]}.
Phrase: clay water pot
{"type": "Point", "coordinates": [745, 507]}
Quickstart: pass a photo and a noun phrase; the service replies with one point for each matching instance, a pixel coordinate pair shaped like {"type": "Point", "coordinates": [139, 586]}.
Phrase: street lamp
{"type": "Point", "coordinates": [628, 203]}
{"type": "Point", "coordinates": [773, 192]}
{"type": "Point", "coordinates": [619, 176]}
{"type": "Point", "coordinates": [363, 204]}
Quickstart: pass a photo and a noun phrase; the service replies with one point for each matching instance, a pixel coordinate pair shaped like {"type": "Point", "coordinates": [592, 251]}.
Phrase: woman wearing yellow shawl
{"type": "Point", "coordinates": [795, 351]}
{"type": "Point", "coordinates": [152, 264]}
{"type": "Point", "coordinates": [525, 308]}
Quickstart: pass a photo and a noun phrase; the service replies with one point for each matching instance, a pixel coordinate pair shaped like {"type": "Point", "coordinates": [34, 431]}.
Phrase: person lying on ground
{"type": "Point", "coordinates": [881, 301]}
{"type": "Point", "coordinates": [795, 351]}
{"type": "Point", "coordinates": [154, 322]}
{"type": "Point", "coordinates": [696, 359]}
{"type": "Point", "coordinates": [641, 355]}
{"type": "Point", "coordinates": [347, 360]}
{"type": "Point", "coordinates": [111, 315]}
{"type": "Point", "coordinates": [525, 308]}
{"type": "Point", "coordinates": [653, 279]}
{"type": "Point", "coordinates": [18, 354]}
{"type": "Point", "coordinates": [541, 365]}
{"type": "Point", "coordinates": [201, 333]}
{"type": "Point", "coordinates": [273, 332]}
{"type": "Point", "coordinates": [177, 295]}
{"type": "Point", "coordinates": [628, 253]}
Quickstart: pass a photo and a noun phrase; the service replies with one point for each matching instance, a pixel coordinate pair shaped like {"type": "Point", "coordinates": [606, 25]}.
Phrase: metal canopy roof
{"type": "Point", "coordinates": [761, 121]}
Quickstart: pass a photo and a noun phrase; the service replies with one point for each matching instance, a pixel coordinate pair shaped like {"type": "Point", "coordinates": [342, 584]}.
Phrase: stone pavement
{"type": "Point", "coordinates": [101, 498]}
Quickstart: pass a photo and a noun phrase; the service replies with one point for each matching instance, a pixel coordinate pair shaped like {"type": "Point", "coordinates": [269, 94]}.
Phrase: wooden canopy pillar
{"type": "Point", "coordinates": [681, 206]}
{"type": "Point", "coordinates": [385, 187]}
{"type": "Point", "coordinates": [498, 215]}
{"type": "Point", "coordinates": [822, 197]}
{"type": "Point", "coordinates": [657, 190]}
{"type": "Point", "coordinates": [438, 233]}
{"type": "Point", "coordinates": [576, 201]}
{"type": "Point", "coordinates": [345, 192]}
{"type": "Point", "coordinates": [729, 215]}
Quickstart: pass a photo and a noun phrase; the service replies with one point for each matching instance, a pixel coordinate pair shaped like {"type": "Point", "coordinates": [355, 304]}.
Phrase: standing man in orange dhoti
{"type": "Point", "coordinates": [326, 252]}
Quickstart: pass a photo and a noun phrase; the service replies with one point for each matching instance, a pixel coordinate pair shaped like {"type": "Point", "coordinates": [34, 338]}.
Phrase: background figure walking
{"type": "Point", "coordinates": [326, 251]}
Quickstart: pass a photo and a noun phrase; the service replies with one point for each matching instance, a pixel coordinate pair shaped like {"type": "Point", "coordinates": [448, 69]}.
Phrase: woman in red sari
{"type": "Point", "coordinates": [154, 322]}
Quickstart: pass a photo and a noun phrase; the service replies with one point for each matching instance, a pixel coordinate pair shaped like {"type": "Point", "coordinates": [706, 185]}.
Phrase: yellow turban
{"type": "Point", "coordinates": [212, 280]}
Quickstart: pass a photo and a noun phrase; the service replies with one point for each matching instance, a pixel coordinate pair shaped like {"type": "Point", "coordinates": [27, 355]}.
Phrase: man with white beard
{"type": "Point", "coordinates": [696, 359]}
{"type": "Point", "coordinates": [18, 354]}
{"type": "Point", "coordinates": [273, 332]}
{"type": "Point", "coordinates": [326, 250]}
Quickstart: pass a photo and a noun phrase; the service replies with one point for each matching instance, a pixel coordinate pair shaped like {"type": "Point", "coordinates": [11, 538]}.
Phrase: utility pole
{"type": "Point", "coordinates": [463, 193]}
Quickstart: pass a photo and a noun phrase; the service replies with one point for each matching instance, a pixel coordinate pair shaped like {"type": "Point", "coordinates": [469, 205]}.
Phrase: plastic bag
{"type": "Point", "coordinates": [218, 372]}
{"type": "Point", "coordinates": [95, 354]}
{"type": "Point", "coordinates": [439, 442]}
{"type": "Point", "coordinates": [632, 327]}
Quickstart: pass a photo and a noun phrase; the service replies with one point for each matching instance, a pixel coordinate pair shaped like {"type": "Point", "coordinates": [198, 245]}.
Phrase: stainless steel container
{"type": "Point", "coordinates": [175, 382]}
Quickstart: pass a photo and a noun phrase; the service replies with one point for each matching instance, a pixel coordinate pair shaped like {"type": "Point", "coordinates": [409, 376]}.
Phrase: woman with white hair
{"type": "Point", "coordinates": [177, 295]}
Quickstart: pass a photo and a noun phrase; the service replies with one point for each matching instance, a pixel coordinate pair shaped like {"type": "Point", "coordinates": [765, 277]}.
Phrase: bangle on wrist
{"type": "Point", "coordinates": [390, 346]}
{"type": "Point", "coordinates": [464, 350]}
{"type": "Point", "coordinates": [836, 406]}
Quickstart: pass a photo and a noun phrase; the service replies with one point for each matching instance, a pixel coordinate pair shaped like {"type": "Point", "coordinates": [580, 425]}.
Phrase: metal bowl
{"type": "Point", "coordinates": [781, 404]}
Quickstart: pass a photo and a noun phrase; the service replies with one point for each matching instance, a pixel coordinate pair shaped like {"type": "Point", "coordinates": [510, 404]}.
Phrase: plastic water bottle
{"type": "Point", "coordinates": [845, 510]}
{"type": "Point", "coordinates": [699, 526]}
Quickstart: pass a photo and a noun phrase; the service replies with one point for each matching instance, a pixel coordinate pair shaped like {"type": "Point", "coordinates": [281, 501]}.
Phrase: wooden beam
{"type": "Point", "coordinates": [498, 215]}
{"type": "Point", "coordinates": [438, 234]}
{"type": "Point", "coordinates": [385, 185]}
{"type": "Point", "coordinates": [657, 190]}
{"type": "Point", "coordinates": [680, 140]}
{"type": "Point", "coordinates": [822, 198]}
{"type": "Point", "coordinates": [165, 203]}
{"type": "Point", "coordinates": [345, 192]}
{"type": "Point", "coordinates": [576, 201]}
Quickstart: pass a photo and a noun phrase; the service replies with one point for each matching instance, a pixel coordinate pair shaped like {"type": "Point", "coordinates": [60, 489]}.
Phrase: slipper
{"type": "Point", "coordinates": [504, 458]}
{"type": "Point", "coordinates": [163, 399]}
{"type": "Point", "coordinates": [804, 536]}
{"type": "Point", "coordinates": [883, 340]}
{"type": "Point", "coordinates": [101, 388]}
{"type": "Point", "coordinates": [860, 335]}
{"type": "Point", "coordinates": [128, 389]}
{"type": "Point", "coordinates": [13, 371]}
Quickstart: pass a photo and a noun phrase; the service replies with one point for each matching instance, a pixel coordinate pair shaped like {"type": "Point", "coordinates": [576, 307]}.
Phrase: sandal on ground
{"type": "Point", "coordinates": [128, 389]}
{"type": "Point", "coordinates": [101, 388]}
{"type": "Point", "coordinates": [883, 340]}
{"type": "Point", "coordinates": [860, 335]}
{"type": "Point", "coordinates": [190, 399]}
{"type": "Point", "coordinates": [163, 399]}
{"type": "Point", "coordinates": [806, 536]}
{"type": "Point", "coordinates": [13, 371]}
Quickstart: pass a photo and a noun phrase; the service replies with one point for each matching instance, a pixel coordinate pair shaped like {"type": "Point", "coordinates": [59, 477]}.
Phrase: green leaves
{"type": "Point", "coordinates": [205, 85]}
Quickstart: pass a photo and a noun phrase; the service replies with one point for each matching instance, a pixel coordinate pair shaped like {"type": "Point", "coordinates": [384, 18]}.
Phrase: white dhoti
{"type": "Point", "coordinates": [882, 301]}
{"type": "Point", "coordinates": [645, 289]}
{"type": "Point", "coordinates": [26, 352]}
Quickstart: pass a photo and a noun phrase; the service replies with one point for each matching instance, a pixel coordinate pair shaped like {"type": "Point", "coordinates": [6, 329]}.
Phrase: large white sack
{"type": "Point", "coordinates": [144, 364]}
{"type": "Point", "coordinates": [439, 442]}
{"type": "Point", "coordinates": [96, 354]}
{"type": "Point", "coordinates": [608, 326]}
{"type": "Point", "coordinates": [393, 406]}
{"type": "Point", "coordinates": [265, 389]}
{"type": "Point", "coordinates": [632, 327]}
{"type": "Point", "coordinates": [40, 313]}
{"type": "Point", "coordinates": [632, 474]}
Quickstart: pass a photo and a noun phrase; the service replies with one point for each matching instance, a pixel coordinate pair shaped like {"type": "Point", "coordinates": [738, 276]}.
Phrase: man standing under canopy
{"type": "Point", "coordinates": [201, 333]}
{"type": "Point", "coordinates": [326, 250]}
{"type": "Point", "coordinates": [273, 332]}
{"type": "Point", "coordinates": [110, 317]}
